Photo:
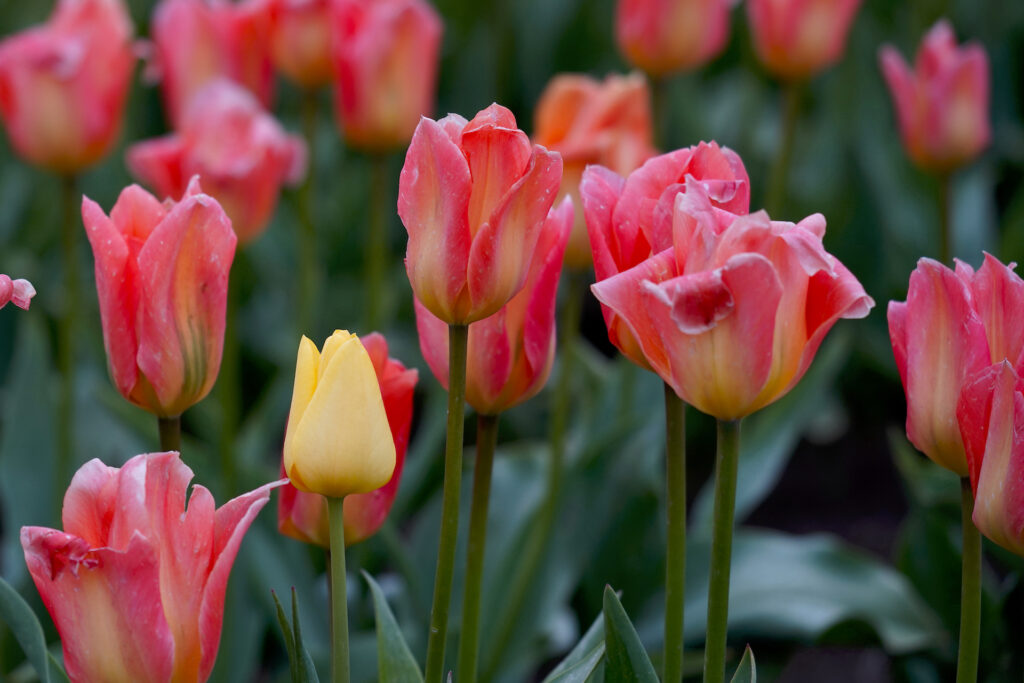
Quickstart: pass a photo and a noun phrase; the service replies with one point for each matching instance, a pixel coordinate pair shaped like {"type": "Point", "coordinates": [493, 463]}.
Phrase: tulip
{"type": "Point", "coordinates": [63, 84]}
{"type": "Point", "coordinates": [240, 151]}
{"type": "Point", "coordinates": [473, 197]}
{"type": "Point", "coordinates": [386, 55]}
{"type": "Point", "coordinates": [664, 36]}
{"type": "Point", "coordinates": [300, 41]}
{"type": "Point", "coordinates": [135, 583]}
{"type": "Point", "coordinates": [593, 122]}
{"type": "Point", "coordinates": [162, 280]}
{"type": "Point", "coordinates": [303, 516]}
{"type": "Point", "coordinates": [796, 39]}
{"type": "Point", "coordinates": [942, 104]}
{"type": "Point", "coordinates": [19, 292]}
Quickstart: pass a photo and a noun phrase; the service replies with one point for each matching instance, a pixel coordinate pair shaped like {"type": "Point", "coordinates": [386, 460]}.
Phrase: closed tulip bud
{"type": "Point", "coordinates": [301, 40]}
{"type": "Point", "coordinates": [386, 55]}
{"type": "Point", "coordinates": [942, 104]}
{"type": "Point", "coordinates": [135, 583]}
{"type": "Point", "coordinates": [239, 150]}
{"type": "Point", "coordinates": [63, 84]}
{"type": "Point", "coordinates": [665, 36]}
{"type": "Point", "coordinates": [19, 292]}
{"type": "Point", "coordinates": [795, 39]}
{"type": "Point", "coordinates": [473, 197]}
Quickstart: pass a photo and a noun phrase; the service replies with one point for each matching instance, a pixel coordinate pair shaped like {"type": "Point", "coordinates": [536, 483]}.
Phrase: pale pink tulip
{"type": "Point", "coordinates": [665, 36]}
{"type": "Point", "coordinates": [795, 39]}
{"type": "Point", "coordinates": [19, 292]}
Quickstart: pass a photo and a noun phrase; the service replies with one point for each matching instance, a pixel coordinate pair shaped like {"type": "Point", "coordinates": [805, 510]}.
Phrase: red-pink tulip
{"type": "Point", "coordinates": [664, 36]}
{"type": "Point", "coordinates": [942, 104]}
{"type": "Point", "coordinates": [386, 55]}
{"type": "Point", "coordinates": [240, 151]}
{"type": "Point", "coordinates": [732, 314]}
{"type": "Point", "coordinates": [473, 197]}
{"type": "Point", "coordinates": [19, 292]}
{"type": "Point", "coordinates": [63, 84]}
{"type": "Point", "coordinates": [135, 583]}
{"type": "Point", "coordinates": [796, 39]}
{"type": "Point", "coordinates": [303, 516]}
{"type": "Point", "coordinates": [301, 40]}
{"type": "Point", "coordinates": [626, 216]}
{"type": "Point", "coordinates": [162, 280]}
{"type": "Point", "coordinates": [510, 353]}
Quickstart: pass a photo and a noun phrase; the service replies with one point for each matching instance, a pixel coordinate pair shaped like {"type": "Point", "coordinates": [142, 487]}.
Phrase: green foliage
{"type": "Point", "coordinates": [626, 659]}
{"type": "Point", "coordinates": [746, 672]}
{"type": "Point", "coordinates": [395, 661]}
{"type": "Point", "coordinates": [299, 661]}
{"type": "Point", "coordinates": [21, 620]}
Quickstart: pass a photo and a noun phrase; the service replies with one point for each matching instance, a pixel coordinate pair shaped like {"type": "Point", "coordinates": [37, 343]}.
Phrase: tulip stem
{"type": "Point", "coordinates": [339, 594]}
{"type": "Point", "coordinates": [726, 467]}
{"type": "Point", "coordinates": [675, 562]}
{"type": "Point", "coordinates": [469, 641]}
{"type": "Point", "coordinates": [66, 337]}
{"type": "Point", "coordinates": [170, 433]}
{"type": "Point", "coordinates": [660, 109]}
{"type": "Point", "coordinates": [458, 339]}
{"type": "Point", "coordinates": [376, 257]}
{"type": "Point", "coordinates": [776, 199]}
{"type": "Point", "coordinates": [945, 222]}
{"type": "Point", "coordinates": [308, 267]}
{"type": "Point", "coordinates": [230, 391]}
{"type": "Point", "coordinates": [970, 590]}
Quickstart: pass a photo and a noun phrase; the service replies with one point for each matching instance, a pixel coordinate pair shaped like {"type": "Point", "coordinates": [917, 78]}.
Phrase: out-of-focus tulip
{"type": "Point", "coordinates": [473, 197]}
{"type": "Point", "coordinates": [19, 292]}
{"type": "Point", "coordinates": [135, 583]}
{"type": "Point", "coordinates": [942, 104]}
{"type": "Point", "coordinates": [510, 353]}
{"type": "Point", "coordinates": [338, 441]}
{"type": "Point", "coordinates": [240, 151]}
{"type": "Point", "coordinates": [303, 516]}
{"type": "Point", "coordinates": [63, 84]}
{"type": "Point", "coordinates": [952, 326]}
{"type": "Point", "coordinates": [386, 55]}
{"type": "Point", "coordinates": [626, 216]}
{"type": "Point", "coordinates": [162, 279]}
{"type": "Point", "coordinates": [795, 39]}
{"type": "Point", "coordinates": [732, 314]}
{"type": "Point", "coordinates": [198, 41]}
{"type": "Point", "coordinates": [301, 40]}
{"type": "Point", "coordinates": [593, 122]}
{"type": "Point", "coordinates": [664, 36]}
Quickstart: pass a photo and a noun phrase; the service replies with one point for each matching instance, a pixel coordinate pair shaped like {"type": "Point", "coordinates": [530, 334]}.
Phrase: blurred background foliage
{"type": "Point", "coordinates": [846, 565]}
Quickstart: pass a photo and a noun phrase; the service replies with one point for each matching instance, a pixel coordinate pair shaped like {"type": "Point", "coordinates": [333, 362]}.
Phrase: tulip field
{"type": "Point", "coordinates": [521, 341]}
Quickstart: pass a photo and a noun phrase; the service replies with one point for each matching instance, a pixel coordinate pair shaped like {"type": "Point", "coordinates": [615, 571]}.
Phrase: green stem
{"type": "Point", "coordinates": [970, 590]}
{"type": "Point", "coordinates": [675, 563]}
{"type": "Point", "coordinates": [458, 338]}
{"type": "Point", "coordinates": [780, 169]}
{"type": "Point", "coordinates": [339, 595]}
{"type": "Point", "coordinates": [307, 253]}
{"type": "Point", "coordinates": [170, 433]}
{"type": "Point", "coordinates": [66, 336]}
{"type": "Point", "coordinates": [230, 391]}
{"type": "Point", "coordinates": [726, 467]}
{"type": "Point", "coordinates": [660, 110]}
{"type": "Point", "coordinates": [381, 207]}
{"type": "Point", "coordinates": [945, 222]}
{"type": "Point", "coordinates": [469, 641]}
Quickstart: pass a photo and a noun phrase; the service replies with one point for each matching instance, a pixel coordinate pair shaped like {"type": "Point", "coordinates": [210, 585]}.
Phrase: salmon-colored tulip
{"type": "Point", "coordinates": [301, 40]}
{"type": "Point", "coordinates": [386, 55]}
{"type": "Point", "coordinates": [665, 36]}
{"type": "Point", "coordinates": [63, 85]}
{"type": "Point", "coordinates": [593, 122]}
{"type": "Point", "coordinates": [795, 39]}
{"type": "Point", "coordinates": [135, 583]}
{"type": "Point", "coordinates": [19, 292]}
{"type": "Point", "coordinates": [473, 197]}
{"type": "Point", "coordinates": [162, 279]}
{"type": "Point", "coordinates": [942, 104]}
{"type": "Point", "coordinates": [240, 151]}
{"type": "Point", "coordinates": [303, 516]}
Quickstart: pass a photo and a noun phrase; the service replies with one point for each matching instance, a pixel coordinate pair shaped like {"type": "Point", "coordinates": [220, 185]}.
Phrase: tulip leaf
{"type": "Point", "coordinates": [746, 672]}
{"type": "Point", "coordinates": [626, 660]}
{"type": "Point", "coordinates": [25, 626]}
{"type": "Point", "coordinates": [581, 661]}
{"type": "Point", "coordinates": [394, 660]}
{"type": "Point", "coordinates": [299, 661]}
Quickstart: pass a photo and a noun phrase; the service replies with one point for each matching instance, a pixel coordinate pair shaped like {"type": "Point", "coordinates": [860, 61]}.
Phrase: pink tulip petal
{"type": "Point", "coordinates": [498, 154]}
{"type": "Point", "coordinates": [159, 163]}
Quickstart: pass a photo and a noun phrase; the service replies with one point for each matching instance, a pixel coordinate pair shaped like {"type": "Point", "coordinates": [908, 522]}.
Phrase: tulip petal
{"type": "Point", "coordinates": [433, 336]}
{"type": "Point", "coordinates": [160, 164]}
{"type": "Point", "coordinates": [498, 154]}
{"type": "Point", "coordinates": [89, 503]}
{"type": "Point", "coordinates": [998, 296]}
{"type": "Point", "coordinates": [307, 371]}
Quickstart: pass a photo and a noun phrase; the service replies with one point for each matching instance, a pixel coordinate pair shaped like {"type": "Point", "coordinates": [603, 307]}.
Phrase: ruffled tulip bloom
{"type": "Point", "coordinates": [942, 104]}
{"type": "Point", "coordinates": [732, 314]}
{"type": "Point", "coordinates": [473, 197]}
{"type": "Point", "coordinates": [386, 55]}
{"type": "Point", "coordinates": [593, 122]}
{"type": "Point", "coordinates": [510, 353]}
{"type": "Point", "coordinates": [303, 516]}
{"type": "Point", "coordinates": [198, 41]}
{"type": "Point", "coordinates": [795, 39]}
{"type": "Point", "coordinates": [300, 41]}
{"type": "Point", "coordinates": [339, 440]}
{"type": "Point", "coordinates": [625, 217]}
{"type": "Point", "coordinates": [63, 84]}
{"type": "Point", "coordinates": [135, 583]}
{"type": "Point", "coordinates": [162, 280]}
{"type": "Point", "coordinates": [239, 150]}
{"type": "Point", "coordinates": [665, 36]}
{"type": "Point", "coordinates": [19, 292]}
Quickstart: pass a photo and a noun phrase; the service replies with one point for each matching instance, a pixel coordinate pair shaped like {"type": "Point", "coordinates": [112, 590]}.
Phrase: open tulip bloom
{"type": "Point", "coordinates": [19, 292]}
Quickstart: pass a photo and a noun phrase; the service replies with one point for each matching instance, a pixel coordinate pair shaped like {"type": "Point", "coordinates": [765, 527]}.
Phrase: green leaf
{"type": "Point", "coordinates": [289, 637]}
{"type": "Point", "coordinates": [395, 661]}
{"type": "Point", "coordinates": [299, 662]}
{"type": "Point", "coordinates": [626, 662]}
{"type": "Point", "coordinates": [27, 630]}
{"type": "Point", "coordinates": [581, 661]}
{"type": "Point", "coordinates": [746, 672]}
{"type": "Point", "coordinates": [581, 671]}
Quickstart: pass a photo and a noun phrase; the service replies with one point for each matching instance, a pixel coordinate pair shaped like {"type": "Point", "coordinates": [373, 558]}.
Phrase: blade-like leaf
{"type": "Point", "coordinates": [591, 642]}
{"type": "Point", "coordinates": [289, 638]}
{"type": "Point", "coordinates": [746, 672]}
{"type": "Point", "coordinates": [303, 662]}
{"type": "Point", "coordinates": [582, 670]}
{"type": "Point", "coordinates": [626, 660]}
{"type": "Point", "coordinates": [395, 661]}
{"type": "Point", "coordinates": [27, 630]}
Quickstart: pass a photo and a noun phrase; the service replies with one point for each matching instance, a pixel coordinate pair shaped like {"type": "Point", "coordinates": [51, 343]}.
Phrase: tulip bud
{"type": "Point", "coordinates": [796, 39]}
{"type": "Point", "coordinates": [19, 292]}
{"type": "Point", "coordinates": [301, 40]}
{"type": "Point", "coordinates": [664, 36]}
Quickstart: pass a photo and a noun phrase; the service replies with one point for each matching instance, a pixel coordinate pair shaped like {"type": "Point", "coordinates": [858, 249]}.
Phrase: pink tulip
{"type": "Point", "coordinates": [303, 516]}
{"type": "Point", "coordinates": [301, 40]}
{"type": "Point", "coordinates": [942, 104]}
{"type": "Point", "coordinates": [473, 197]}
{"type": "Point", "coordinates": [796, 39]}
{"type": "Point", "coordinates": [510, 353]}
{"type": "Point", "coordinates": [626, 216]}
{"type": "Point", "coordinates": [732, 314]}
{"type": "Point", "coordinates": [240, 151]}
{"type": "Point", "coordinates": [63, 84]}
{"type": "Point", "coordinates": [19, 292]}
{"type": "Point", "coordinates": [135, 583]}
{"type": "Point", "coordinates": [162, 280]}
{"type": "Point", "coordinates": [386, 55]}
{"type": "Point", "coordinates": [664, 36]}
